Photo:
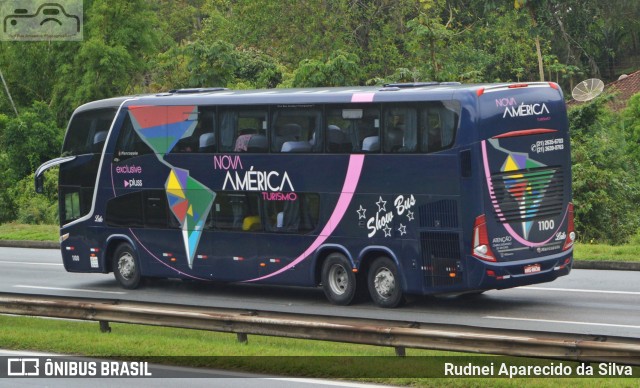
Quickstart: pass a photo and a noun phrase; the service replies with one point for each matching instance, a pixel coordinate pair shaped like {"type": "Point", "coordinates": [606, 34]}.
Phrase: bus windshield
{"type": "Point", "coordinates": [88, 131]}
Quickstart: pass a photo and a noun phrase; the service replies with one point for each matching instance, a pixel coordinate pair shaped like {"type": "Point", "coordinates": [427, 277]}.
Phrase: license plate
{"type": "Point", "coordinates": [532, 268]}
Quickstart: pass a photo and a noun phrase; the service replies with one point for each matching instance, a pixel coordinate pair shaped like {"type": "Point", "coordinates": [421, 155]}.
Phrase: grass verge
{"type": "Point", "coordinates": [271, 355]}
{"type": "Point", "coordinates": [22, 232]}
{"type": "Point", "coordinates": [603, 252]}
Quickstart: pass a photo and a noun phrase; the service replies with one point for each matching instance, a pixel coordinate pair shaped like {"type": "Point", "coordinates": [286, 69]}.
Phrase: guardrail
{"type": "Point", "coordinates": [398, 334]}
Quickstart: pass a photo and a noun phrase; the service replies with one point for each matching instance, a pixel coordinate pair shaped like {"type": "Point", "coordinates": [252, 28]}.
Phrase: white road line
{"type": "Point", "coordinates": [563, 322]}
{"type": "Point", "coordinates": [69, 289]}
{"type": "Point", "coordinates": [28, 263]}
{"type": "Point", "coordinates": [580, 290]}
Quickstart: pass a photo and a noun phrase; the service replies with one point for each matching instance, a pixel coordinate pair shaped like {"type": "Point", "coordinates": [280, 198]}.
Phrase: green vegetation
{"type": "Point", "coordinates": [280, 356]}
{"type": "Point", "coordinates": [144, 46]}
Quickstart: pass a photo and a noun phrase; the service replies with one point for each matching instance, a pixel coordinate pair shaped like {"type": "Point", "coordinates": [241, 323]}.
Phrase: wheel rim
{"type": "Point", "coordinates": [384, 282]}
{"type": "Point", "coordinates": [127, 266]}
{"type": "Point", "coordinates": [338, 279]}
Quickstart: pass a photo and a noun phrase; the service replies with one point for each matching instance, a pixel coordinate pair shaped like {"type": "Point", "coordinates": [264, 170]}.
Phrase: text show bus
{"type": "Point", "coordinates": [424, 188]}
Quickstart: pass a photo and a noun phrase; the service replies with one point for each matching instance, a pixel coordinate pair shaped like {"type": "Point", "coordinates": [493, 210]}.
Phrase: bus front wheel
{"type": "Point", "coordinates": [384, 283]}
{"type": "Point", "coordinates": [125, 266]}
{"type": "Point", "coordinates": [338, 280]}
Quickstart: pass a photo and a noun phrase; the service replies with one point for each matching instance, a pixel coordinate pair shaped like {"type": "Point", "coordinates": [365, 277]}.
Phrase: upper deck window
{"type": "Point", "coordinates": [438, 125]}
{"type": "Point", "coordinates": [400, 129]}
{"type": "Point", "coordinates": [243, 130]}
{"type": "Point", "coordinates": [88, 131]}
{"type": "Point", "coordinates": [203, 137]}
{"type": "Point", "coordinates": [352, 129]}
{"type": "Point", "coordinates": [130, 144]}
{"type": "Point", "coordinates": [296, 130]}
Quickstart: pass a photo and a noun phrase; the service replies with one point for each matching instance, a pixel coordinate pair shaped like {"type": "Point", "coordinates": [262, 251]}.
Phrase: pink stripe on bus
{"type": "Point", "coordinates": [362, 97]}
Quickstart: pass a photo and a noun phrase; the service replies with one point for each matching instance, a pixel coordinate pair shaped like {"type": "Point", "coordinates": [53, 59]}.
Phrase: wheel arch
{"type": "Point", "coordinates": [372, 252]}
{"type": "Point", "coordinates": [111, 245]}
{"type": "Point", "coordinates": [321, 255]}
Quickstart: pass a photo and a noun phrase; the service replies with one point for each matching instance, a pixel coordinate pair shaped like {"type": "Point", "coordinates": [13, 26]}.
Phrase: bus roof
{"type": "Point", "coordinates": [423, 91]}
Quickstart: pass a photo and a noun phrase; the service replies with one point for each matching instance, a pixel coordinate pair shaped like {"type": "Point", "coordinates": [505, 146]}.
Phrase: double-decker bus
{"type": "Point", "coordinates": [423, 188]}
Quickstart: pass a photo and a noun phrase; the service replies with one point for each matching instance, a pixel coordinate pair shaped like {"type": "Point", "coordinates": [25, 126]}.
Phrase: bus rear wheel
{"type": "Point", "coordinates": [125, 266]}
{"type": "Point", "coordinates": [338, 280]}
{"type": "Point", "coordinates": [384, 283]}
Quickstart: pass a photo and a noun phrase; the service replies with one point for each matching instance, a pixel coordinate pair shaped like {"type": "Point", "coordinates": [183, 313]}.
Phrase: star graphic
{"type": "Point", "coordinates": [382, 205]}
{"type": "Point", "coordinates": [361, 212]}
{"type": "Point", "coordinates": [387, 231]}
{"type": "Point", "coordinates": [402, 229]}
{"type": "Point", "coordinates": [410, 215]}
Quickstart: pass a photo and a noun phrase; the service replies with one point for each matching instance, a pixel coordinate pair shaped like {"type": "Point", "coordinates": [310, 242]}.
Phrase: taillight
{"type": "Point", "coordinates": [571, 234]}
{"type": "Point", "coordinates": [481, 248]}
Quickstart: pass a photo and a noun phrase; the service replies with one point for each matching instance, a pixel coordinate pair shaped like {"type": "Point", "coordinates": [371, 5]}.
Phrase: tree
{"type": "Point", "coordinates": [606, 187]}
{"type": "Point", "coordinates": [25, 143]}
{"type": "Point", "coordinates": [529, 5]}
{"type": "Point", "coordinates": [340, 69]}
{"type": "Point", "coordinates": [29, 140]}
{"type": "Point", "coordinates": [210, 64]}
{"type": "Point", "coordinates": [631, 125]}
{"type": "Point", "coordinates": [113, 60]}
{"type": "Point", "coordinates": [432, 34]}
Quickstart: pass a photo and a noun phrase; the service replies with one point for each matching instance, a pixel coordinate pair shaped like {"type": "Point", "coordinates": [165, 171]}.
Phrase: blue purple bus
{"type": "Point", "coordinates": [405, 189]}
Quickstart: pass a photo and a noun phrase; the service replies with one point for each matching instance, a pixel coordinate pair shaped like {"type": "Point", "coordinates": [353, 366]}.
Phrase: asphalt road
{"type": "Point", "coordinates": [595, 302]}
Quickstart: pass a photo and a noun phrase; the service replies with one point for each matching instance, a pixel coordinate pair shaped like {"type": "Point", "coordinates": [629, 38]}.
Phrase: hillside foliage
{"type": "Point", "coordinates": [144, 46]}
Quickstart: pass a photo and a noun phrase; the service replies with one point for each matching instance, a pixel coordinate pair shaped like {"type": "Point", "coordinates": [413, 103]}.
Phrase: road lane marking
{"type": "Point", "coordinates": [69, 289]}
{"type": "Point", "coordinates": [28, 263]}
{"type": "Point", "coordinates": [563, 322]}
{"type": "Point", "coordinates": [580, 290]}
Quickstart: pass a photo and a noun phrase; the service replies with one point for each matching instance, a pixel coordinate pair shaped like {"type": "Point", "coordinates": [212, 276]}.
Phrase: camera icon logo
{"type": "Point", "coordinates": [39, 20]}
{"type": "Point", "coordinates": [23, 367]}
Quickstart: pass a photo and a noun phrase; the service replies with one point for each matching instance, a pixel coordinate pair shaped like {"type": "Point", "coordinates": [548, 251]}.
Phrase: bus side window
{"type": "Point", "coordinates": [201, 135]}
{"type": "Point", "coordinates": [439, 122]}
{"type": "Point", "coordinates": [125, 211]}
{"type": "Point", "coordinates": [433, 132]}
{"type": "Point", "coordinates": [295, 130]}
{"type": "Point", "coordinates": [156, 210]}
{"type": "Point", "coordinates": [400, 130]}
{"type": "Point", "coordinates": [296, 213]}
{"type": "Point", "coordinates": [235, 212]}
{"type": "Point", "coordinates": [243, 131]}
{"type": "Point", "coordinates": [337, 140]}
{"type": "Point", "coordinates": [205, 132]}
{"type": "Point", "coordinates": [353, 128]}
{"type": "Point", "coordinates": [147, 208]}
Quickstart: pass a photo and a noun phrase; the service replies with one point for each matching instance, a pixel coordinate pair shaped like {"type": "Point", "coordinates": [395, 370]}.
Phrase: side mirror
{"type": "Point", "coordinates": [39, 182]}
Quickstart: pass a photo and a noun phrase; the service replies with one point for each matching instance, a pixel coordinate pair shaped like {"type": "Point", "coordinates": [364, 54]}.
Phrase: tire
{"type": "Point", "coordinates": [384, 283]}
{"type": "Point", "coordinates": [126, 267]}
{"type": "Point", "coordinates": [338, 279]}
